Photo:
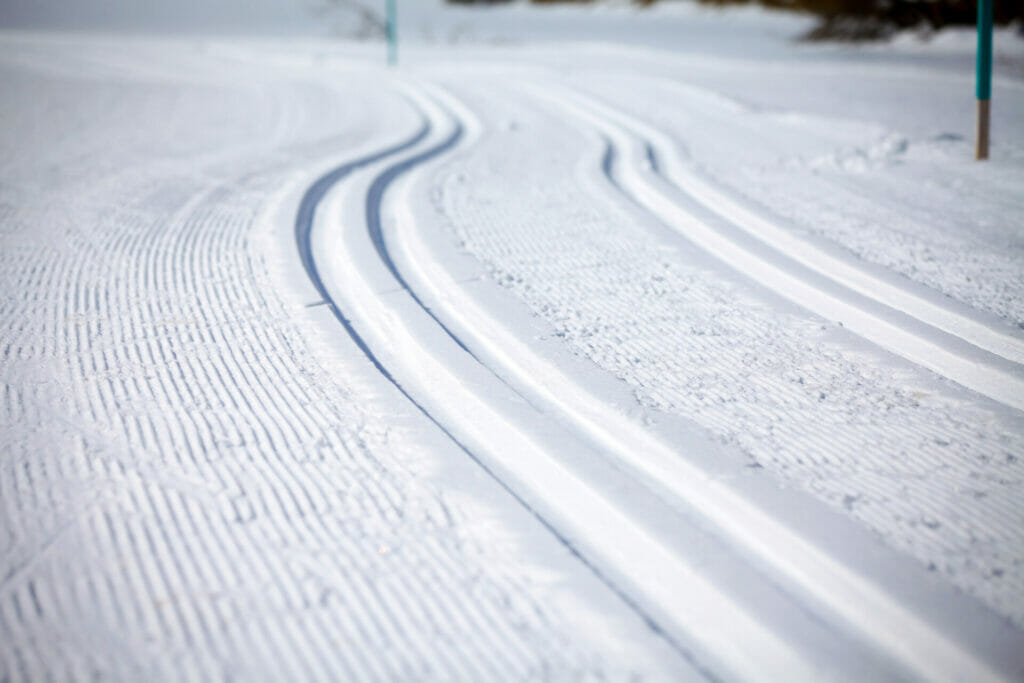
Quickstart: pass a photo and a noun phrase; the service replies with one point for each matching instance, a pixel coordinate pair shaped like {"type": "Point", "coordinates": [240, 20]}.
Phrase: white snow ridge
{"type": "Point", "coordinates": [544, 356]}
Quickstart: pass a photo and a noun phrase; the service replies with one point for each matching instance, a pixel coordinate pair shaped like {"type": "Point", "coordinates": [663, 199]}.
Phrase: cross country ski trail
{"type": "Point", "coordinates": [420, 334]}
{"type": "Point", "coordinates": [862, 200]}
{"type": "Point", "coordinates": [476, 371]}
{"type": "Point", "coordinates": [988, 363]}
{"type": "Point", "coordinates": [890, 288]}
{"type": "Point", "coordinates": [994, 518]}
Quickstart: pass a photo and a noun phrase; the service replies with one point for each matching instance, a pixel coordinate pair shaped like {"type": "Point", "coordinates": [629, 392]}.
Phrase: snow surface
{"type": "Point", "coordinates": [587, 344]}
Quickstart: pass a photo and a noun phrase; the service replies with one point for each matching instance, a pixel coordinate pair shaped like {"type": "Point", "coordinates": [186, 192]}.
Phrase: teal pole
{"type": "Point", "coordinates": [392, 31]}
{"type": "Point", "coordinates": [983, 87]}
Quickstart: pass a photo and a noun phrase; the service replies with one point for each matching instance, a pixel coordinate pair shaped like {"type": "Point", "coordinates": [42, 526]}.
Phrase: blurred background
{"type": "Point", "coordinates": [455, 20]}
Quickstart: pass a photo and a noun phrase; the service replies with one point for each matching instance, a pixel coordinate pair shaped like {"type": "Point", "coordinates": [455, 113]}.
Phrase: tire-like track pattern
{"type": "Point", "coordinates": [190, 489]}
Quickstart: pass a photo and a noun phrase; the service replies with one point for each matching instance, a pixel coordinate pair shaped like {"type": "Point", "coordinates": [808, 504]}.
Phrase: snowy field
{"type": "Point", "coordinates": [587, 344]}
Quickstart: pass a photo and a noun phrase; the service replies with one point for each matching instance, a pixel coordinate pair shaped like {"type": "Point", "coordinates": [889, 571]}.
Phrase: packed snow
{"type": "Point", "coordinates": [586, 343]}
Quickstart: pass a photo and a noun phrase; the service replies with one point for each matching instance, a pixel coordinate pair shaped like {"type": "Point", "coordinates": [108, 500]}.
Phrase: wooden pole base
{"type": "Point", "coordinates": [981, 151]}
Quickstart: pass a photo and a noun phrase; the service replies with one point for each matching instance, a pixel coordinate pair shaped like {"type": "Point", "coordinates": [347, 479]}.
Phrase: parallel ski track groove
{"type": "Point", "coordinates": [373, 221]}
{"type": "Point", "coordinates": [816, 437]}
{"type": "Point", "coordinates": [922, 631]}
{"type": "Point", "coordinates": [991, 335]}
{"type": "Point", "coordinates": [303, 229]}
{"type": "Point", "coordinates": [969, 348]}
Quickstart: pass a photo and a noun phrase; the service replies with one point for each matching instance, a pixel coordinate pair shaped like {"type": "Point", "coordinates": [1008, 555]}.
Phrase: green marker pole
{"type": "Point", "coordinates": [392, 31]}
{"type": "Point", "coordinates": [984, 76]}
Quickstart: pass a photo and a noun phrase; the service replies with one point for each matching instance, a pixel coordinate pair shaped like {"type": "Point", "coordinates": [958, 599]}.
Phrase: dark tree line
{"type": "Point", "coordinates": [869, 19]}
{"type": "Point", "coordinates": [861, 19]}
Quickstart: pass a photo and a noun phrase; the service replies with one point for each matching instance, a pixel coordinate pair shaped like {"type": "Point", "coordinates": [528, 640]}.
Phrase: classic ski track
{"type": "Point", "coordinates": [947, 314]}
{"type": "Point", "coordinates": [758, 249]}
{"type": "Point", "coordinates": [853, 598]}
{"type": "Point", "coordinates": [839, 591]}
{"type": "Point", "coordinates": [591, 527]}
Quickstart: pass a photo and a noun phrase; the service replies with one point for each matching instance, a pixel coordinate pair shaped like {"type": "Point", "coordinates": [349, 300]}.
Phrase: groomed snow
{"type": "Point", "coordinates": [674, 351]}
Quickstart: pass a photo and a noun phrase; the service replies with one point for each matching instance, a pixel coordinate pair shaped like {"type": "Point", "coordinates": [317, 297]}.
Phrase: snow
{"type": "Point", "coordinates": [590, 343]}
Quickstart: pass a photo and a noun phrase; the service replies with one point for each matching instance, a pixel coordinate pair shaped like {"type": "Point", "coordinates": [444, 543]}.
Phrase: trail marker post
{"type": "Point", "coordinates": [391, 29]}
{"type": "Point", "coordinates": [984, 76]}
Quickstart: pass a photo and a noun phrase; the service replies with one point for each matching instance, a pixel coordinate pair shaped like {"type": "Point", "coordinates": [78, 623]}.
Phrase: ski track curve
{"type": "Point", "coordinates": [372, 208]}
{"type": "Point", "coordinates": [304, 224]}
{"type": "Point", "coordinates": [881, 221]}
{"type": "Point", "coordinates": [642, 155]}
{"type": "Point", "coordinates": [924, 653]}
{"type": "Point", "coordinates": [208, 503]}
{"type": "Point", "coordinates": [832, 584]}
{"type": "Point", "coordinates": [517, 462]}
{"type": "Point", "coordinates": [846, 594]}
{"type": "Point", "coordinates": [945, 313]}
{"type": "Point", "coordinates": [766, 253]}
